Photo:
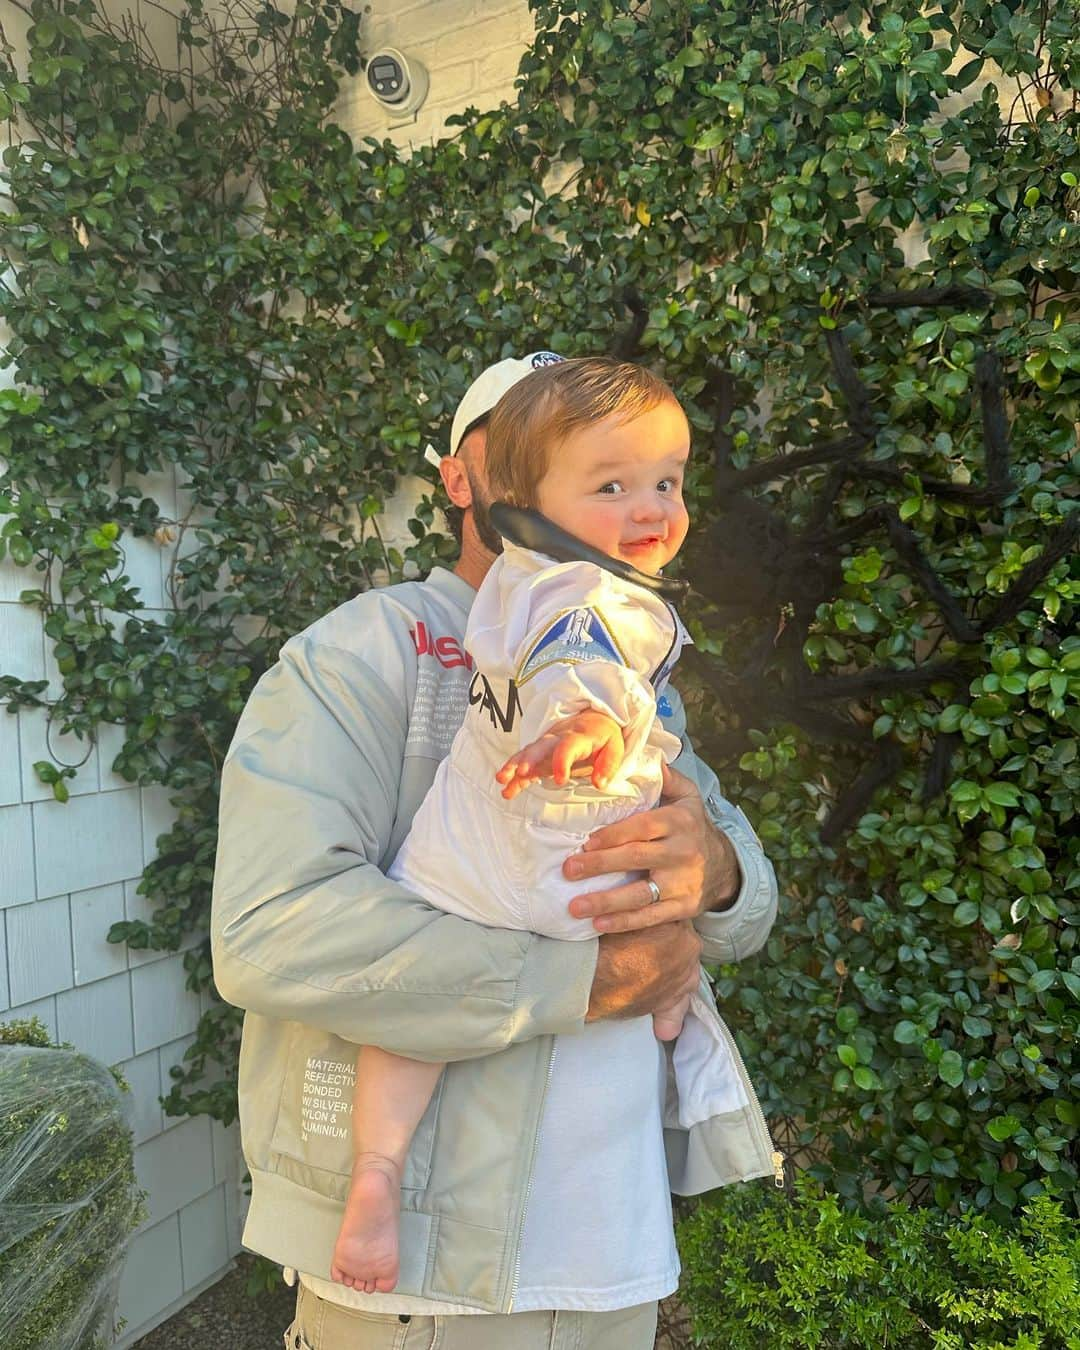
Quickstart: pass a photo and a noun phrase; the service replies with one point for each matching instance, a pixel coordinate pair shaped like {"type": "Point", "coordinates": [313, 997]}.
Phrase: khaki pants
{"type": "Point", "coordinates": [320, 1325]}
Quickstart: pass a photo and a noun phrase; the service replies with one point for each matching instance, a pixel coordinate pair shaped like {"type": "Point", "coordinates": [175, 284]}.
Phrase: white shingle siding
{"type": "Point", "coordinates": [142, 567]}
{"type": "Point", "coordinates": [39, 949]}
{"type": "Point", "coordinates": [17, 884]}
{"type": "Point", "coordinates": [5, 1000]}
{"type": "Point", "coordinates": [175, 1168]}
{"type": "Point", "coordinates": [153, 1277]}
{"type": "Point", "coordinates": [88, 841]}
{"type": "Point", "coordinates": [22, 642]}
{"type": "Point", "coordinates": [163, 1007]}
{"type": "Point", "coordinates": [142, 1075]}
{"type": "Point", "coordinates": [14, 580]}
{"type": "Point", "coordinates": [96, 1018]}
{"type": "Point", "coordinates": [10, 777]}
{"type": "Point", "coordinates": [204, 1238]}
{"type": "Point", "coordinates": [157, 819]}
{"type": "Point", "coordinates": [93, 912]}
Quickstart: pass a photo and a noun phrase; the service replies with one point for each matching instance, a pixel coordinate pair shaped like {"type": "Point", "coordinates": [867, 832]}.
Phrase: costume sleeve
{"type": "Point", "coordinates": [742, 929]}
{"type": "Point", "coordinates": [306, 927]}
{"type": "Point", "coordinates": [575, 638]}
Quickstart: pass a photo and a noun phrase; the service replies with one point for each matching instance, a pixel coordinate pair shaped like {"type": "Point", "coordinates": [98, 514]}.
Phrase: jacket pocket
{"type": "Point", "coordinates": [314, 1119]}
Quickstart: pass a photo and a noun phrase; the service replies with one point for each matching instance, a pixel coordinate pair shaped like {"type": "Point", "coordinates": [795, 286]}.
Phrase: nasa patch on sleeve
{"type": "Point", "coordinates": [573, 638]}
{"type": "Point", "coordinates": [539, 359]}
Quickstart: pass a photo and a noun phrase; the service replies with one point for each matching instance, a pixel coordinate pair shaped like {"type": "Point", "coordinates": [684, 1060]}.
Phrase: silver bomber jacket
{"type": "Point", "coordinates": [335, 750]}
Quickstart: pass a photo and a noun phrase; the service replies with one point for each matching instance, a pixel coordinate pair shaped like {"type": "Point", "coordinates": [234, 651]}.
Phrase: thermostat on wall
{"type": "Point", "coordinates": [395, 83]}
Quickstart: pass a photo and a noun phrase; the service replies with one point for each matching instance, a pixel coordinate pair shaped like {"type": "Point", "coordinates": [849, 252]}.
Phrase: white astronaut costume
{"type": "Point", "coordinates": [547, 640]}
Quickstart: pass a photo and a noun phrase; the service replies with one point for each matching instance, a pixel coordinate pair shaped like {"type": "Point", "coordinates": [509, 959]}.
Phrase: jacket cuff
{"type": "Point", "coordinates": [553, 988]}
{"type": "Point", "coordinates": [736, 932]}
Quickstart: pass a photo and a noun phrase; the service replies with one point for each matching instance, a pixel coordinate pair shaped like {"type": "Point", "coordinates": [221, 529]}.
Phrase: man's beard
{"type": "Point", "coordinates": [486, 532]}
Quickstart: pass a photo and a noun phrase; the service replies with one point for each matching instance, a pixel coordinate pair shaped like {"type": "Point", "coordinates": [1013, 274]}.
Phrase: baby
{"type": "Point", "coordinates": [599, 448]}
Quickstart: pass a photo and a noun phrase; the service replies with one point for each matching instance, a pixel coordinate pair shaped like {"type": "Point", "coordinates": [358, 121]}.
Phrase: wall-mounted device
{"type": "Point", "coordinates": [397, 84]}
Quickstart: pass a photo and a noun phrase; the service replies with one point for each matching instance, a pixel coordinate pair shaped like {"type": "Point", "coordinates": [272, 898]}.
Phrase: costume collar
{"type": "Point", "coordinates": [529, 529]}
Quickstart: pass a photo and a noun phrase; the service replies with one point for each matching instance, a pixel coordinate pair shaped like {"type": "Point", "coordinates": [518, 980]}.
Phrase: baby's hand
{"type": "Point", "coordinates": [586, 738]}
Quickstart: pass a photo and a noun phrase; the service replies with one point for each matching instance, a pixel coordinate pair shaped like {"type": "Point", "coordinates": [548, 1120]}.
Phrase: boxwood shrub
{"type": "Point", "coordinates": [762, 1269]}
{"type": "Point", "coordinates": [68, 1197]}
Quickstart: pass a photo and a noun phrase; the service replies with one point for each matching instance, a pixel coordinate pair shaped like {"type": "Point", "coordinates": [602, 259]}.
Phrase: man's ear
{"type": "Point", "coordinates": [455, 481]}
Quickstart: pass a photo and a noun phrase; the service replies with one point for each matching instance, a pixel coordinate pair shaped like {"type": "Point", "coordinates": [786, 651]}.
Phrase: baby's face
{"type": "Point", "coordinates": [618, 486]}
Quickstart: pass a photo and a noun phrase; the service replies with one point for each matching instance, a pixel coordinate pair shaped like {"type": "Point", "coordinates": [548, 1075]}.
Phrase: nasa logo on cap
{"type": "Point", "coordinates": [539, 359]}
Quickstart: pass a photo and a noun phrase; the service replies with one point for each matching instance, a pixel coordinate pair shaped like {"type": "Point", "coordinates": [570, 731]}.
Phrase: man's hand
{"type": "Point", "coordinates": [642, 973]}
{"type": "Point", "coordinates": [676, 844]}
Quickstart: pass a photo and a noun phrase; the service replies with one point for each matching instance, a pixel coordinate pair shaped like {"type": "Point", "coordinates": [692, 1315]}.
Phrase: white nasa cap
{"type": "Point", "coordinates": [485, 391]}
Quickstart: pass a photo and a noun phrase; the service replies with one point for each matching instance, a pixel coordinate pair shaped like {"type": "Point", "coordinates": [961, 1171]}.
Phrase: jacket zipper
{"type": "Point", "coordinates": [776, 1158]}
{"type": "Point", "coordinates": [532, 1169]}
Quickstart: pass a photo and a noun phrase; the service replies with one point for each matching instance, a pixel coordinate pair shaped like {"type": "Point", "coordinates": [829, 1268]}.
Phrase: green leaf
{"type": "Point", "coordinates": [847, 1055]}
{"type": "Point", "coordinates": [968, 73]}
{"type": "Point", "coordinates": [951, 717]}
{"type": "Point", "coordinates": [927, 332]}
{"type": "Point", "coordinates": [21, 550]}
{"type": "Point", "coordinates": [951, 1068]}
{"type": "Point", "coordinates": [711, 138]}
{"type": "Point", "coordinates": [1003, 1127]}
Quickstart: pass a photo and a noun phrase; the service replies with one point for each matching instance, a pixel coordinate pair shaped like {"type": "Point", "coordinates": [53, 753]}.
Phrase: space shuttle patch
{"type": "Point", "coordinates": [572, 638]}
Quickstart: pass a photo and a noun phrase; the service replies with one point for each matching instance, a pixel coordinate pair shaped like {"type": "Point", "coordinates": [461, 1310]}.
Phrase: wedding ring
{"type": "Point", "coordinates": [655, 889]}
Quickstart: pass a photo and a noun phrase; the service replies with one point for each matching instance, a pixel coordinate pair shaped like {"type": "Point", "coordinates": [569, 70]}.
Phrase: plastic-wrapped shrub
{"type": "Point", "coordinates": [68, 1196]}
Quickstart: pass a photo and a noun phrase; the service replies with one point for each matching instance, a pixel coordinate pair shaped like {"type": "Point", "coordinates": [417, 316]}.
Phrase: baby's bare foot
{"type": "Point", "coordinates": [366, 1252]}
